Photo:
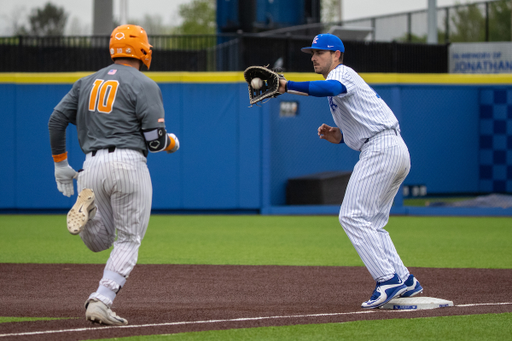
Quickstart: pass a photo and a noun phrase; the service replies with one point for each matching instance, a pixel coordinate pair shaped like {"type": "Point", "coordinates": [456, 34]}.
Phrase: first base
{"type": "Point", "coordinates": [416, 303]}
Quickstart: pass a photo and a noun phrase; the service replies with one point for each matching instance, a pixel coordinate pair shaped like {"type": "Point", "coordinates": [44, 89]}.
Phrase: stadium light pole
{"type": "Point", "coordinates": [432, 22]}
{"type": "Point", "coordinates": [123, 12]}
{"type": "Point", "coordinates": [103, 23]}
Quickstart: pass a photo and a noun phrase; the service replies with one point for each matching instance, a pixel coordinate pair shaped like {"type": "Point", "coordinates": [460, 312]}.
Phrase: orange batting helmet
{"type": "Point", "coordinates": [130, 41]}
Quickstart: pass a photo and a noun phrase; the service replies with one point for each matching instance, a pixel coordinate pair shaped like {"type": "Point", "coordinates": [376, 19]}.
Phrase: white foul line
{"type": "Point", "coordinates": [241, 319]}
{"type": "Point", "coordinates": [480, 304]}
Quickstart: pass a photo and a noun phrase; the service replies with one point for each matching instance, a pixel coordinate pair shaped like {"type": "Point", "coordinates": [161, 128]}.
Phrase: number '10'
{"type": "Point", "coordinates": [106, 91]}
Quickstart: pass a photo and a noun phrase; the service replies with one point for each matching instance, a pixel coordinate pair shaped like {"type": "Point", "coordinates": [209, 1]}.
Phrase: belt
{"type": "Point", "coordinates": [394, 130]}
{"type": "Point", "coordinates": [110, 150]}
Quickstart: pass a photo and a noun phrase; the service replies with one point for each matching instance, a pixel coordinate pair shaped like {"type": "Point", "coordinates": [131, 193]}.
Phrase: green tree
{"type": "Point", "coordinates": [499, 20]}
{"type": "Point", "coordinates": [47, 21]}
{"type": "Point", "coordinates": [469, 24]}
{"type": "Point", "coordinates": [198, 17]}
{"type": "Point", "coordinates": [329, 10]}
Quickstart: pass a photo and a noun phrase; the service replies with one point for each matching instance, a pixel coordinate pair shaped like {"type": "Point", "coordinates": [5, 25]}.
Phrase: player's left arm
{"type": "Point", "coordinates": [158, 140]}
{"type": "Point", "coordinates": [150, 110]}
{"type": "Point", "coordinates": [325, 88]}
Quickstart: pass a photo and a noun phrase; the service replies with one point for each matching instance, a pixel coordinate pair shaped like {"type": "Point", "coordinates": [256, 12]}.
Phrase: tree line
{"type": "Point", "coordinates": [198, 17]}
{"type": "Point", "coordinates": [467, 23]}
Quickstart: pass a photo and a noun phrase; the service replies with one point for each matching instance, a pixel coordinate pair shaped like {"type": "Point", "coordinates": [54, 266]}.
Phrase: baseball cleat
{"type": "Point", "coordinates": [98, 312]}
{"type": "Point", "coordinates": [82, 211]}
{"type": "Point", "coordinates": [413, 287]}
{"type": "Point", "coordinates": [385, 292]}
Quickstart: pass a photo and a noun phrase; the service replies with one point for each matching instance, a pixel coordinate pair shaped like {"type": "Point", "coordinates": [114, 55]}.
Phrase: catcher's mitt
{"type": "Point", "coordinates": [269, 88]}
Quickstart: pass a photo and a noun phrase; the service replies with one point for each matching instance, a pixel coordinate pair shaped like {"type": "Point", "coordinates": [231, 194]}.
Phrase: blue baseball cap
{"type": "Point", "coordinates": [325, 41]}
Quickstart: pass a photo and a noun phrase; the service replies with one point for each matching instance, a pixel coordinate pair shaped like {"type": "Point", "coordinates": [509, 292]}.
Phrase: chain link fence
{"type": "Point", "coordinates": [476, 22]}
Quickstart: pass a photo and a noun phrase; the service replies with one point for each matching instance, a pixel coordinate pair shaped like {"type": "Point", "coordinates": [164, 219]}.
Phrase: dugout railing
{"type": "Point", "coordinates": [223, 52]}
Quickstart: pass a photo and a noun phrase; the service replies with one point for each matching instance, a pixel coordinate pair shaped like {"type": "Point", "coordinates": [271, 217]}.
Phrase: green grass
{"type": "Point", "coordinates": [470, 327]}
{"type": "Point", "coordinates": [448, 242]}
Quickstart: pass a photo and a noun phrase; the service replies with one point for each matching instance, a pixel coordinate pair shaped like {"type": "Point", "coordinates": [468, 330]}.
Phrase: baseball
{"type": "Point", "coordinates": [256, 83]}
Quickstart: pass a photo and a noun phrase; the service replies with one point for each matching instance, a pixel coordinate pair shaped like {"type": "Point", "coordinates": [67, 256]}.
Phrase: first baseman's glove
{"type": "Point", "coordinates": [270, 86]}
{"type": "Point", "coordinates": [64, 176]}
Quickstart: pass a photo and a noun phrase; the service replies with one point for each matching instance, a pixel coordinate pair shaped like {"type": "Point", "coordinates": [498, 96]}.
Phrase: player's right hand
{"type": "Point", "coordinates": [174, 138]}
{"type": "Point", "coordinates": [64, 175]}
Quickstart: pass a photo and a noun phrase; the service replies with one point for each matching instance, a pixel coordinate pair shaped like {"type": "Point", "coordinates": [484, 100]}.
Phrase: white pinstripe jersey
{"type": "Point", "coordinates": [360, 113]}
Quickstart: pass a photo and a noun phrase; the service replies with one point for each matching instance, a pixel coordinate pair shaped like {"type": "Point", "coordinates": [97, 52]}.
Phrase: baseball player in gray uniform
{"type": "Point", "coordinates": [119, 115]}
{"type": "Point", "coordinates": [364, 123]}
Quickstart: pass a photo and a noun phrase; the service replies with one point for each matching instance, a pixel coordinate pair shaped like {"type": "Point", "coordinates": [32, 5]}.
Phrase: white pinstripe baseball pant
{"type": "Point", "coordinates": [123, 193]}
{"type": "Point", "coordinates": [383, 164]}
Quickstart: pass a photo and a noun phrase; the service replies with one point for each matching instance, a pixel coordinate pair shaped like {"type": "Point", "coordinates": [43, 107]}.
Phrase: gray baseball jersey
{"type": "Point", "coordinates": [369, 125]}
{"type": "Point", "coordinates": [112, 108]}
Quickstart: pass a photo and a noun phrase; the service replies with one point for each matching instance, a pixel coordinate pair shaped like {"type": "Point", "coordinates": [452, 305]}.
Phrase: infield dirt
{"type": "Point", "coordinates": [182, 298]}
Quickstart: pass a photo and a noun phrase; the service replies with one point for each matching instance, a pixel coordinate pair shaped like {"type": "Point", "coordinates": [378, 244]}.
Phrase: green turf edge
{"type": "Point", "coordinates": [446, 328]}
{"type": "Point", "coordinates": [8, 319]}
{"type": "Point", "coordinates": [434, 242]}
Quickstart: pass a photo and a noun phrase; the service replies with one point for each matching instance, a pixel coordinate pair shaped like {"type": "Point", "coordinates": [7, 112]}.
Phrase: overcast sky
{"type": "Point", "coordinates": [80, 11]}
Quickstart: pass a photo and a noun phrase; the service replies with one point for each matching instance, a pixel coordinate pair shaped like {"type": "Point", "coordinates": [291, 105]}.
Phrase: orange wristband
{"type": "Point", "coordinates": [60, 157]}
{"type": "Point", "coordinates": [171, 145]}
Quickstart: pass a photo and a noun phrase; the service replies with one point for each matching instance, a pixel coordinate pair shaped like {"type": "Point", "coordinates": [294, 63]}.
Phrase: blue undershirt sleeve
{"type": "Point", "coordinates": [318, 88]}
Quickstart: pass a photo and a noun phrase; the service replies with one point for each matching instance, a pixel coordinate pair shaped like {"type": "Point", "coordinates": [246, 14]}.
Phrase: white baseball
{"type": "Point", "coordinates": [256, 83]}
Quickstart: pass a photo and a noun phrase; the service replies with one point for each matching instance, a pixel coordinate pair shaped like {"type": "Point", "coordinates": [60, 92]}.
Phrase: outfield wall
{"type": "Point", "coordinates": [232, 157]}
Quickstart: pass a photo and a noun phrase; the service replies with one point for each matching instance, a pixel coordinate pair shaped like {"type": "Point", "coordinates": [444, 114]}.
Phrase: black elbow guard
{"type": "Point", "coordinates": [156, 139]}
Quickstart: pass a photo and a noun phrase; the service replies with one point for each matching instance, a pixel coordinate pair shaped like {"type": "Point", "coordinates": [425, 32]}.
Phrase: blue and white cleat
{"type": "Point", "coordinates": [413, 287]}
{"type": "Point", "coordinates": [385, 292]}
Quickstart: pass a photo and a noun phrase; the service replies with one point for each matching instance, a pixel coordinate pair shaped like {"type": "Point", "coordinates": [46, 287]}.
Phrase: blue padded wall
{"type": "Point", "coordinates": [233, 157]}
{"type": "Point", "coordinates": [8, 174]}
{"type": "Point", "coordinates": [440, 126]}
{"type": "Point", "coordinates": [495, 140]}
{"type": "Point", "coordinates": [35, 182]}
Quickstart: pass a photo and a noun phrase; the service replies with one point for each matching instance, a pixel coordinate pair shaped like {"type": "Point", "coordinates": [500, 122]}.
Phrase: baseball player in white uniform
{"type": "Point", "coordinates": [119, 115]}
{"type": "Point", "coordinates": [364, 123]}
